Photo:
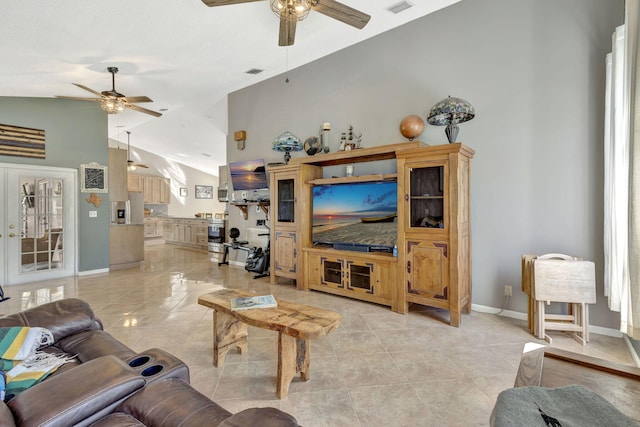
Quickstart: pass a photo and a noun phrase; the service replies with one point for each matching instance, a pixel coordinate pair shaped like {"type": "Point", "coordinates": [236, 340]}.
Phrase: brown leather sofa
{"type": "Point", "coordinates": [109, 384]}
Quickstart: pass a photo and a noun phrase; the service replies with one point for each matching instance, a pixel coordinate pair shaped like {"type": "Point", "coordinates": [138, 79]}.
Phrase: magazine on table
{"type": "Point", "coordinates": [258, 301]}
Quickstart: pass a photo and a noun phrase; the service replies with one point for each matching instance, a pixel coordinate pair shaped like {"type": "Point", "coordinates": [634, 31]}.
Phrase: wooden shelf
{"type": "Point", "coordinates": [361, 178]}
{"type": "Point", "coordinates": [244, 207]}
{"type": "Point", "coordinates": [382, 152]}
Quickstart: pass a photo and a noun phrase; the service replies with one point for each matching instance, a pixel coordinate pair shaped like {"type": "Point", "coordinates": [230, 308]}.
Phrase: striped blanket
{"type": "Point", "coordinates": [21, 362]}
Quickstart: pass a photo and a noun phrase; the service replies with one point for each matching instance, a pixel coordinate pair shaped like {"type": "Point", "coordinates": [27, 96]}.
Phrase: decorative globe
{"type": "Point", "coordinates": [411, 127]}
{"type": "Point", "coordinates": [312, 145]}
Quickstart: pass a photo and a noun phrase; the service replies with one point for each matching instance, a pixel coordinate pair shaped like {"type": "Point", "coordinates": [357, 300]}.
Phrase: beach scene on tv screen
{"type": "Point", "coordinates": [248, 175]}
{"type": "Point", "coordinates": [360, 213]}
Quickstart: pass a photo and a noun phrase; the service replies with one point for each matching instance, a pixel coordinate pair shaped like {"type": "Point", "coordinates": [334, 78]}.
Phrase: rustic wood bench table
{"type": "Point", "coordinates": [295, 323]}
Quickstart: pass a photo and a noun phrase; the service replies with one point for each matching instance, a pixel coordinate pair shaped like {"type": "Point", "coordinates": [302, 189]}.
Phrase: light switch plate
{"type": "Point", "coordinates": [93, 214]}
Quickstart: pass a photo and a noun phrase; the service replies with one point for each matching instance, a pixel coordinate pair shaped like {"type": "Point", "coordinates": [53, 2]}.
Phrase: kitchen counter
{"type": "Point", "coordinates": [192, 232]}
{"type": "Point", "coordinates": [126, 246]}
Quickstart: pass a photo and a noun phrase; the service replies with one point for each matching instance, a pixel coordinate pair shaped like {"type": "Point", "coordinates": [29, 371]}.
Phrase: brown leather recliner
{"type": "Point", "coordinates": [111, 385]}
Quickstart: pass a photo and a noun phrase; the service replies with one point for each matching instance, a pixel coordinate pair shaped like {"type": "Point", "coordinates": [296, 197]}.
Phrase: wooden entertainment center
{"type": "Point", "coordinates": [433, 266]}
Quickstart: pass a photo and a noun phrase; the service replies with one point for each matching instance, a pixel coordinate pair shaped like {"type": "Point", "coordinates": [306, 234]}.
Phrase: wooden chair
{"type": "Point", "coordinates": [564, 279]}
{"type": "Point", "coordinates": [40, 249]}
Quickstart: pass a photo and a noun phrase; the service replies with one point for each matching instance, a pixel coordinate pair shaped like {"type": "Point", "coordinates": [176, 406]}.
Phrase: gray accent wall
{"type": "Point", "coordinates": [75, 134]}
{"type": "Point", "coordinates": [533, 69]}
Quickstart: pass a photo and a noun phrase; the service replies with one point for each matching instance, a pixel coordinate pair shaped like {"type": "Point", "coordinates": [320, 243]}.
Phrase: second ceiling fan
{"type": "Point", "coordinates": [292, 11]}
{"type": "Point", "coordinates": [112, 101]}
{"type": "Point", "coordinates": [131, 165]}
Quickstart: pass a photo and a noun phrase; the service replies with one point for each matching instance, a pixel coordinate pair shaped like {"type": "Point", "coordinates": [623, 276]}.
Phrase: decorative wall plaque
{"type": "Point", "coordinates": [94, 178]}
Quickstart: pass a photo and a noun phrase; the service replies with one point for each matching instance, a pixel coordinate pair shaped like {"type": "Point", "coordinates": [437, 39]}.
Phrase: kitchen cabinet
{"type": "Point", "coordinates": [186, 232]}
{"type": "Point", "coordinates": [135, 183]}
{"type": "Point", "coordinates": [156, 189]}
{"type": "Point", "coordinates": [153, 227]}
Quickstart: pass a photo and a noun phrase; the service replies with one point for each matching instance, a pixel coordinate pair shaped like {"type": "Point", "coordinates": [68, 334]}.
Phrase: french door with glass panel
{"type": "Point", "coordinates": [37, 223]}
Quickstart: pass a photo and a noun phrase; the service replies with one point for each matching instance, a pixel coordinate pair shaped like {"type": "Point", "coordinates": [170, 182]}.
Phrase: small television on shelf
{"type": "Point", "coordinates": [248, 177]}
{"type": "Point", "coordinates": [356, 216]}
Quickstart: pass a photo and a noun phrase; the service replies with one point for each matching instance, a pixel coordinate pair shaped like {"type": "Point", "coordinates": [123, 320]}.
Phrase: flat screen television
{"type": "Point", "coordinates": [360, 215]}
{"type": "Point", "coordinates": [248, 175]}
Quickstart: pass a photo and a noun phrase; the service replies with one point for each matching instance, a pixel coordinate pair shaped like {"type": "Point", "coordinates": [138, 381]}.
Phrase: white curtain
{"type": "Point", "coordinates": [622, 174]}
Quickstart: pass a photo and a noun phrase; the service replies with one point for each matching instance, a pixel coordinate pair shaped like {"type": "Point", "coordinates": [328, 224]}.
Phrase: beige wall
{"type": "Point", "coordinates": [181, 176]}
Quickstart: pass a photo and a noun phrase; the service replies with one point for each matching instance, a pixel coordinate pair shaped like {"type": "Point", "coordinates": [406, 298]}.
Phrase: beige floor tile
{"type": "Point", "coordinates": [322, 408]}
{"type": "Point", "coordinates": [379, 368]}
{"type": "Point", "coordinates": [445, 399]}
{"type": "Point", "coordinates": [392, 405]}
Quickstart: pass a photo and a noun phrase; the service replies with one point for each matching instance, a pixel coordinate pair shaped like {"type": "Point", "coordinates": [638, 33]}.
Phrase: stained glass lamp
{"type": "Point", "coordinates": [449, 112]}
{"type": "Point", "coordinates": [287, 142]}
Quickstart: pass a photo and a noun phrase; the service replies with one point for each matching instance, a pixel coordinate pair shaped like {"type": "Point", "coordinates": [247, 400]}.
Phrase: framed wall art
{"type": "Point", "coordinates": [183, 192]}
{"type": "Point", "coordinates": [22, 142]}
{"type": "Point", "coordinates": [94, 178]}
{"type": "Point", "coordinates": [204, 192]}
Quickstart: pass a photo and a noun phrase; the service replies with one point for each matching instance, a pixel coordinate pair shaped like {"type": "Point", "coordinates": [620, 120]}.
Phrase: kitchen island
{"type": "Point", "coordinates": [126, 246]}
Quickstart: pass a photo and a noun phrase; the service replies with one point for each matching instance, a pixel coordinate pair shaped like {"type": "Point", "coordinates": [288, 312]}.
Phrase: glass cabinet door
{"type": "Point", "coordinates": [286, 200]}
{"type": "Point", "coordinates": [427, 197]}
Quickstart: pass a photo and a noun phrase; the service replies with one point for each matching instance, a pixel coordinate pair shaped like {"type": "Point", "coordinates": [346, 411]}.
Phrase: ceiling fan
{"type": "Point", "coordinates": [131, 165]}
{"type": "Point", "coordinates": [112, 101]}
{"type": "Point", "coordinates": [292, 11]}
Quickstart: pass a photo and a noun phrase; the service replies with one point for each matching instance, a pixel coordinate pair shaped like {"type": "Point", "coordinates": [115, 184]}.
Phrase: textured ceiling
{"type": "Point", "coordinates": [182, 54]}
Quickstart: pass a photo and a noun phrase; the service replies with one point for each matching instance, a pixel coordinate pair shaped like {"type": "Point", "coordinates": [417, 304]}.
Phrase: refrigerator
{"type": "Point", "coordinates": [136, 208]}
{"type": "Point", "coordinates": [128, 211]}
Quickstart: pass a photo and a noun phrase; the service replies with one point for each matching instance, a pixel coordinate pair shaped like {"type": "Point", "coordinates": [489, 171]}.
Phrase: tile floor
{"type": "Point", "coordinates": [379, 368]}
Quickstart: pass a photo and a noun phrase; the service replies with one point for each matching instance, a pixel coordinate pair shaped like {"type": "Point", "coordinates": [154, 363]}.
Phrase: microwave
{"type": "Point", "coordinates": [223, 194]}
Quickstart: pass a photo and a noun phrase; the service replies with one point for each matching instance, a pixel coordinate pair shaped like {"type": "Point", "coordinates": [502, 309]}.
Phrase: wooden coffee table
{"type": "Point", "coordinates": [295, 323]}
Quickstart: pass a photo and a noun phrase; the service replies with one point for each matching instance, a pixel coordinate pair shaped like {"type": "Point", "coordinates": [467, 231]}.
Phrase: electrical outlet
{"type": "Point", "coordinates": [508, 290]}
{"type": "Point", "coordinates": [260, 222]}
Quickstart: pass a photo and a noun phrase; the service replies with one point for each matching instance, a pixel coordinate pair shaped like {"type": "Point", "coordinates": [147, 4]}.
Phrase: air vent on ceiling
{"type": "Point", "coordinates": [399, 7]}
{"type": "Point", "coordinates": [254, 71]}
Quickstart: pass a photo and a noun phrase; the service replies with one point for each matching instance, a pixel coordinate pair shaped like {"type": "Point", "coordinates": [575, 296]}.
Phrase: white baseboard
{"type": "Point", "coordinates": [92, 272]}
{"type": "Point", "coordinates": [523, 316]}
{"type": "Point", "coordinates": [492, 310]}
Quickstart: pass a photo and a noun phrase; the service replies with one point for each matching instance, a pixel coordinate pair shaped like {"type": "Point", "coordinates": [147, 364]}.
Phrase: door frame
{"type": "Point", "coordinates": [71, 205]}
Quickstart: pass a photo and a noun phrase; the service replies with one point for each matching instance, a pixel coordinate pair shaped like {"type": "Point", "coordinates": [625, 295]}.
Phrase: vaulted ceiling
{"type": "Point", "coordinates": [182, 54]}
